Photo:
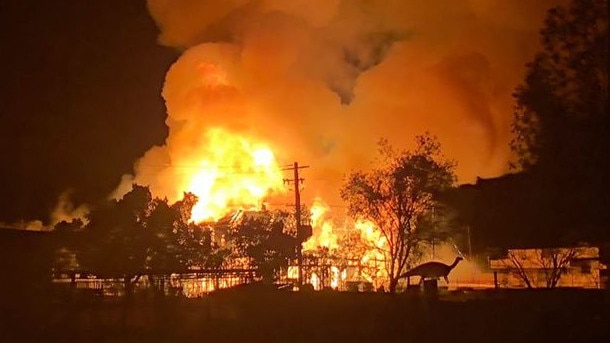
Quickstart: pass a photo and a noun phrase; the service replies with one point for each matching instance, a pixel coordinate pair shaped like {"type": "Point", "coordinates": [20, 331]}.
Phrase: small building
{"type": "Point", "coordinates": [578, 266]}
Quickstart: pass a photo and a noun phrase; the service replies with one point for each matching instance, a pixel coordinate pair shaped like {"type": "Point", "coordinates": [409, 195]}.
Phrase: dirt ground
{"type": "Point", "coordinates": [262, 315]}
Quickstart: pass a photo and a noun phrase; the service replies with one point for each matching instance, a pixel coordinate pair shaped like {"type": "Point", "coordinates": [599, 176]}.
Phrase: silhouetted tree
{"type": "Point", "coordinates": [264, 243]}
{"type": "Point", "coordinates": [163, 247]}
{"type": "Point", "coordinates": [115, 242]}
{"type": "Point", "coordinates": [561, 114]}
{"type": "Point", "coordinates": [139, 235]}
{"type": "Point", "coordinates": [178, 244]}
{"type": "Point", "coordinates": [398, 194]}
{"type": "Point", "coordinates": [196, 244]}
{"type": "Point", "coordinates": [561, 122]}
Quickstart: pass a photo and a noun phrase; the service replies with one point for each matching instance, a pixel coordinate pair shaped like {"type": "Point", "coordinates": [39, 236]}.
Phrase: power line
{"type": "Point", "coordinates": [194, 166]}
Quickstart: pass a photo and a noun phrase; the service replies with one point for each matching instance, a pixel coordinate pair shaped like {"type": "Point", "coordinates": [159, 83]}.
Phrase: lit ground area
{"type": "Point", "coordinates": [259, 315]}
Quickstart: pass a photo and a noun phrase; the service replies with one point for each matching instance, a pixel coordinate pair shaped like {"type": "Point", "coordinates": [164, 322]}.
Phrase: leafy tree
{"type": "Point", "coordinates": [177, 244]}
{"type": "Point", "coordinates": [398, 195]}
{"type": "Point", "coordinates": [197, 247]}
{"type": "Point", "coordinates": [561, 113]}
{"type": "Point", "coordinates": [263, 241]}
{"type": "Point", "coordinates": [139, 235]}
{"type": "Point", "coordinates": [561, 123]}
{"type": "Point", "coordinates": [164, 251]}
{"type": "Point", "coordinates": [115, 241]}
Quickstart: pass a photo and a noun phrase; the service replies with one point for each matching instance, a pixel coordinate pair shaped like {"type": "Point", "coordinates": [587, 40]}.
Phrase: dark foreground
{"type": "Point", "coordinates": [275, 316]}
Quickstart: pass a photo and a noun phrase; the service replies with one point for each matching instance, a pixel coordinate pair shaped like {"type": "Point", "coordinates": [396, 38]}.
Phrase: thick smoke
{"type": "Point", "coordinates": [321, 81]}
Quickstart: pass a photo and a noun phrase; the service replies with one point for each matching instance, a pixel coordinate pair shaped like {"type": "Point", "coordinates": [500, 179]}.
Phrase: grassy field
{"type": "Point", "coordinates": [261, 315]}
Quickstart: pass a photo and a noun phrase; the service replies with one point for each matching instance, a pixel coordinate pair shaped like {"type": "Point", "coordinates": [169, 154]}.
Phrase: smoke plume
{"type": "Point", "coordinates": [321, 81]}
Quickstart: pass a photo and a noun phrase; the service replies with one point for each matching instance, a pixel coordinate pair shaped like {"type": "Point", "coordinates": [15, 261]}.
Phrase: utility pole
{"type": "Point", "coordinates": [297, 204]}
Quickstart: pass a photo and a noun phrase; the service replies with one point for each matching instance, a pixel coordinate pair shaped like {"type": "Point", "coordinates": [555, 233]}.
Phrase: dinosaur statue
{"type": "Point", "coordinates": [431, 270]}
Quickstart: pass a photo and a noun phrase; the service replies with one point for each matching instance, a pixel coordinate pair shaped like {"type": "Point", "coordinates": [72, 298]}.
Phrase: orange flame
{"type": "Point", "coordinates": [373, 239]}
{"type": "Point", "coordinates": [232, 173]}
{"type": "Point", "coordinates": [323, 231]}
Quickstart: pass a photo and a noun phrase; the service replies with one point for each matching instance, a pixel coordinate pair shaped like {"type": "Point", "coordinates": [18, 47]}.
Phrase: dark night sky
{"type": "Point", "coordinates": [80, 99]}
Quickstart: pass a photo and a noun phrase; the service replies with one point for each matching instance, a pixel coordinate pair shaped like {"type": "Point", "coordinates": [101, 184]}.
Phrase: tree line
{"type": "Point", "coordinates": [140, 235]}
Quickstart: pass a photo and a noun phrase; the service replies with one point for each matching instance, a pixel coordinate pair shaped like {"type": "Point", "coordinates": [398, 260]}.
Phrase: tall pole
{"type": "Point", "coordinates": [297, 213]}
{"type": "Point", "coordinates": [299, 227]}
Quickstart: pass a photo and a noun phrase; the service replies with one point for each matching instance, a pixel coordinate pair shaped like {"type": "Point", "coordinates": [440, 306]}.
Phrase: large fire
{"type": "Point", "coordinates": [235, 172]}
{"type": "Point", "coordinates": [351, 250]}
{"type": "Point", "coordinates": [324, 235]}
{"type": "Point", "coordinates": [222, 150]}
{"type": "Point", "coordinates": [232, 172]}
